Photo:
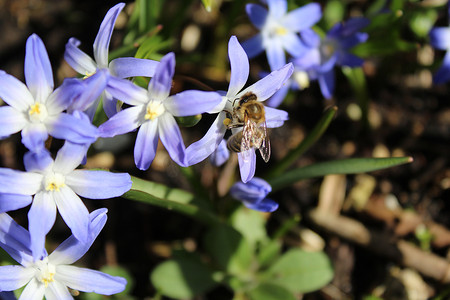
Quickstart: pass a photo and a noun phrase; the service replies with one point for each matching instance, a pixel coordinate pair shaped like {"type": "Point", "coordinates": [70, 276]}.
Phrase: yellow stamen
{"type": "Point", "coordinates": [154, 110]}
{"type": "Point", "coordinates": [281, 31]}
{"type": "Point", "coordinates": [54, 182]}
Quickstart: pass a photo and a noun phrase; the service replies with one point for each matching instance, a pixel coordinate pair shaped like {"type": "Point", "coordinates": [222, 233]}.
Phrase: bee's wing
{"type": "Point", "coordinates": [265, 145]}
{"type": "Point", "coordinates": [247, 136]}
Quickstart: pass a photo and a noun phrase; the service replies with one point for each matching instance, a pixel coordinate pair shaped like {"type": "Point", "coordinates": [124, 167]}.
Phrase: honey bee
{"type": "Point", "coordinates": [249, 114]}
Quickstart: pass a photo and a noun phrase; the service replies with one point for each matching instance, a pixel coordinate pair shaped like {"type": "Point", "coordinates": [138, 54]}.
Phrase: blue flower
{"type": "Point", "coordinates": [35, 108]}
{"type": "Point", "coordinates": [440, 39]}
{"type": "Point", "coordinates": [153, 110]}
{"type": "Point", "coordinates": [253, 194]}
{"type": "Point", "coordinates": [279, 30]}
{"type": "Point", "coordinates": [50, 276]}
{"type": "Point", "coordinates": [120, 67]}
{"type": "Point", "coordinates": [262, 89]}
{"type": "Point", "coordinates": [333, 49]}
{"type": "Point", "coordinates": [55, 184]}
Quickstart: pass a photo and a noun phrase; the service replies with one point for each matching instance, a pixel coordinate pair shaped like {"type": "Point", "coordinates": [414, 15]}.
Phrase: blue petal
{"type": "Point", "coordinates": [87, 91]}
{"type": "Point", "coordinates": [443, 74]}
{"type": "Point", "coordinates": [73, 211]}
{"type": "Point", "coordinates": [41, 218]}
{"type": "Point", "coordinates": [11, 121]}
{"type": "Point", "coordinates": [353, 25]}
{"type": "Point", "coordinates": [7, 296]}
{"type": "Point", "coordinates": [277, 8]}
{"type": "Point", "coordinates": [38, 71]}
{"type": "Point", "coordinates": [125, 121]}
{"type": "Point", "coordinates": [310, 38]}
{"type": "Point", "coordinates": [170, 136]}
{"type": "Point", "coordinates": [204, 147]}
{"type": "Point", "coordinates": [98, 184]}
{"type": "Point", "coordinates": [14, 277]}
{"type": "Point", "coordinates": [146, 143]}
{"type": "Point", "coordinates": [101, 43]}
{"type": "Point", "coordinates": [70, 128]}
{"type": "Point", "coordinates": [266, 205]}
{"type": "Point", "coordinates": [275, 54]}
{"type": "Point", "coordinates": [87, 280]}
{"type": "Point", "coordinates": [220, 155]}
{"type": "Point", "coordinates": [239, 66]}
{"type": "Point", "coordinates": [161, 83]}
{"type": "Point", "coordinates": [69, 157]}
{"type": "Point", "coordinates": [303, 17]}
{"type": "Point", "coordinates": [37, 162]}
{"type": "Point", "coordinates": [278, 97]}
{"type": "Point", "coordinates": [124, 67]}
{"type": "Point", "coordinates": [15, 240]}
{"type": "Point", "coordinates": [253, 46]}
{"type": "Point", "coordinates": [9, 202]}
{"type": "Point", "coordinates": [109, 104]}
{"type": "Point", "coordinates": [190, 103]}
{"type": "Point", "coordinates": [326, 83]}
{"type": "Point", "coordinates": [440, 38]}
{"type": "Point", "coordinates": [126, 91]}
{"type": "Point", "coordinates": [257, 14]}
{"type": "Point", "coordinates": [267, 86]}
{"type": "Point", "coordinates": [15, 93]}
{"type": "Point", "coordinates": [72, 249]}
{"type": "Point", "coordinates": [77, 59]}
{"type": "Point", "coordinates": [275, 117]}
{"type": "Point", "coordinates": [253, 191]}
{"type": "Point", "coordinates": [34, 137]}
{"type": "Point", "coordinates": [294, 45]}
{"type": "Point", "coordinates": [57, 290]}
{"type": "Point", "coordinates": [247, 167]}
{"type": "Point", "coordinates": [18, 182]}
{"type": "Point", "coordinates": [350, 60]}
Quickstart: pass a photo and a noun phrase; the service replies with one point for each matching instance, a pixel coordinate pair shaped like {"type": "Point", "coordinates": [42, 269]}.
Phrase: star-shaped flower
{"type": "Point", "coordinates": [35, 108]}
{"type": "Point", "coordinates": [50, 276]}
{"type": "Point", "coordinates": [279, 30]}
{"type": "Point", "coordinates": [262, 90]}
{"type": "Point", "coordinates": [50, 184]}
{"type": "Point", "coordinates": [122, 67]}
{"type": "Point", "coordinates": [153, 110]}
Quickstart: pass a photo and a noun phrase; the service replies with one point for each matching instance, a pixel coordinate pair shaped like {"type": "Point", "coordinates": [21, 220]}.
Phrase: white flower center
{"type": "Point", "coordinates": [45, 271]}
{"type": "Point", "coordinates": [54, 181]}
{"type": "Point", "coordinates": [37, 112]}
{"type": "Point", "coordinates": [154, 110]}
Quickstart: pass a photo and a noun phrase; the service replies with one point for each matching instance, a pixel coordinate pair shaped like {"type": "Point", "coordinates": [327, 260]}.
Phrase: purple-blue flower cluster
{"type": "Point", "coordinates": [51, 184]}
{"type": "Point", "coordinates": [313, 57]}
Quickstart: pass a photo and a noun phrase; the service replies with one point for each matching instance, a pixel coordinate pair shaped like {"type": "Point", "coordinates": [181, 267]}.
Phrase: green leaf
{"type": "Point", "coordinates": [171, 199]}
{"type": "Point", "coordinates": [333, 12]}
{"type": "Point", "coordinates": [422, 21]}
{"type": "Point", "coordinates": [300, 272]}
{"type": "Point", "coordinates": [207, 4]}
{"type": "Point", "coordinates": [269, 252]}
{"type": "Point", "coordinates": [188, 121]}
{"type": "Point", "coordinates": [229, 249]}
{"type": "Point", "coordinates": [312, 137]}
{"type": "Point", "coordinates": [182, 278]}
{"type": "Point", "coordinates": [268, 291]}
{"type": "Point", "coordinates": [343, 166]}
{"type": "Point", "coordinates": [250, 223]}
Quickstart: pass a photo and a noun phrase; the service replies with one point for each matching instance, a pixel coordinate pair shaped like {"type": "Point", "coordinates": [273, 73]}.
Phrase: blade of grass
{"type": "Point", "coordinates": [172, 199]}
{"type": "Point", "coordinates": [312, 137]}
{"type": "Point", "coordinates": [344, 166]}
